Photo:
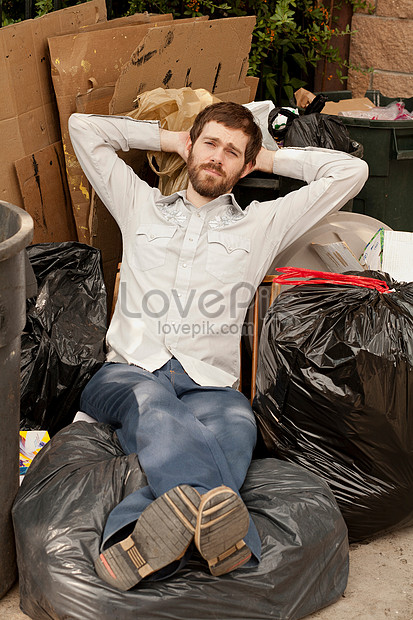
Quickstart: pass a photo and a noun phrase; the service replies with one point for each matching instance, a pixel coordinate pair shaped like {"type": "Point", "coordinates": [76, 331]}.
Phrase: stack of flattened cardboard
{"type": "Point", "coordinates": [32, 171]}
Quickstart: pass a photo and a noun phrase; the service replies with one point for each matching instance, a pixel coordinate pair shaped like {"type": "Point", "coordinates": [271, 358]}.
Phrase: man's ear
{"type": "Point", "coordinates": [247, 169]}
{"type": "Point", "coordinates": [188, 147]}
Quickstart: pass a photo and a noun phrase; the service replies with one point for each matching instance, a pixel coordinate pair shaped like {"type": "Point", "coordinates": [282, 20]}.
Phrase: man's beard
{"type": "Point", "coordinates": [210, 186]}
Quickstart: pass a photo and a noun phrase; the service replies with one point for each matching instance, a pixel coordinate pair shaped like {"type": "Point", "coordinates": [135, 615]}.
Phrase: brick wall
{"type": "Point", "coordinates": [383, 41]}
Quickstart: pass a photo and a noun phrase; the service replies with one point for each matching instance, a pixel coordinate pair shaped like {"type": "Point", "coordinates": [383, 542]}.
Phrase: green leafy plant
{"type": "Point", "coordinates": [43, 7]}
{"type": "Point", "coordinates": [290, 39]}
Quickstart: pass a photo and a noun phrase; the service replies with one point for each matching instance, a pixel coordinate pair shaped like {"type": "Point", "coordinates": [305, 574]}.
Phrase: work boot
{"type": "Point", "coordinates": [161, 535]}
{"type": "Point", "coordinates": [223, 521]}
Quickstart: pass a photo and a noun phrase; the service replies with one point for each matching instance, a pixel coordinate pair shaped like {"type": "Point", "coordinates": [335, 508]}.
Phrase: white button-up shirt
{"type": "Point", "coordinates": [188, 274]}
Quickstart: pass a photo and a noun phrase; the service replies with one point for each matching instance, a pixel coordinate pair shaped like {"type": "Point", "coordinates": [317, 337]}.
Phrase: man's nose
{"type": "Point", "coordinates": [217, 157]}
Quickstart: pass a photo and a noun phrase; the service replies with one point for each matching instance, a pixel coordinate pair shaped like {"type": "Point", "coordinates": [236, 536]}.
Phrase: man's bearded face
{"type": "Point", "coordinates": [216, 160]}
{"type": "Point", "coordinates": [209, 180]}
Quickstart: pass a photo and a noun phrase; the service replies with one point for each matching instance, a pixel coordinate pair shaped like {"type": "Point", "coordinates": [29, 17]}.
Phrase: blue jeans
{"type": "Point", "coordinates": [183, 433]}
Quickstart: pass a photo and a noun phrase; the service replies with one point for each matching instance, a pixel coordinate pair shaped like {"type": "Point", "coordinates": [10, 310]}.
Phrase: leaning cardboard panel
{"type": "Point", "coordinates": [28, 114]}
{"type": "Point", "coordinates": [211, 55]}
{"type": "Point", "coordinates": [43, 184]}
{"type": "Point", "coordinates": [88, 59]}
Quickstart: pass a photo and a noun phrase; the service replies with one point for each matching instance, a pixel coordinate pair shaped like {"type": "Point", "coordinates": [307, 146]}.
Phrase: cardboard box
{"type": "Point", "coordinates": [144, 57]}
{"type": "Point", "coordinates": [28, 115]}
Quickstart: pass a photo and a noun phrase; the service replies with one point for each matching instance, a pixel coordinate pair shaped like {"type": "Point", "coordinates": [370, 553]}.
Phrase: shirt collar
{"type": "Point", "coordinates": [224, 200]}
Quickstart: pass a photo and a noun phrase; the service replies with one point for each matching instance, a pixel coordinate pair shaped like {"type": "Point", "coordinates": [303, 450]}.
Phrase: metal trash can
{"type": "Point", "coordinates": [16, 232]}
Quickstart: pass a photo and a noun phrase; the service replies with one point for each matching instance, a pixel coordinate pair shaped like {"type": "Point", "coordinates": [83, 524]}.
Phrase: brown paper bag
{"type": "Point", "coordinates": [176, 109]}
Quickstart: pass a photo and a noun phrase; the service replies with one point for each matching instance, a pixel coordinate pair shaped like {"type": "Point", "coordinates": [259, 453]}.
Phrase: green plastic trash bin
{"type": "Point", "coordinates": [388, 150]}
{"type": "Point", "coordinates": [16, 232]}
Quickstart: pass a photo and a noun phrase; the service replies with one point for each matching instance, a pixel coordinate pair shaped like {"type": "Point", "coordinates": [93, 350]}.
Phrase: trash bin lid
{"type": "Point", "coordinates": [355, 229]}
{"type": "Point", "coordinates": [16, 230]}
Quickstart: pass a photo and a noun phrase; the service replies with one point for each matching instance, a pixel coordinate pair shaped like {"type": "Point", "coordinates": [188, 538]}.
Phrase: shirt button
{"type": "Point", "coordinates": [229, 249]}
{"type": "Point", "coordinates": [190, 239]}
{"type": "Point", "coordinates": [179, 294]}
{"type": "Point", "coordinates": [183, 264]}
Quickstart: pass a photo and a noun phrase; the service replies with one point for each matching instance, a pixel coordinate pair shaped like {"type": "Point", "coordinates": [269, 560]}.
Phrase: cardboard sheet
{"type": "Point", "coordinates": [334, 107]}
{"type": "Point", "coordinates": [211, 55]}
{"type": "Point", "coordinates": [43, 185]}
{"type": "Point", "coordinates": [28, 114]}
{"type": "Point", "coordinates": [96, 100]}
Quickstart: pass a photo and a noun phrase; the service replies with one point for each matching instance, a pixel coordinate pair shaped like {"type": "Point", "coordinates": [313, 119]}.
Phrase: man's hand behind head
{"type": "Point", "coordinates": [175, 142]}
{"type": "Point", "coordinates": [265, 160]}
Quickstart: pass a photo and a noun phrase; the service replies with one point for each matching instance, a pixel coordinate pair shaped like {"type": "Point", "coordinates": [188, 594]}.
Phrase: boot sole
{"type": "Point", "coordinates": [161, 535]}
{"type": "Point", "coordinates": [223, 521]}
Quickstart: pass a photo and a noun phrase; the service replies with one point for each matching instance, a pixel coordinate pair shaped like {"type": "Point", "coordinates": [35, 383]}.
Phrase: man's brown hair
{"type": "Point", "coordinates": [234, 116]}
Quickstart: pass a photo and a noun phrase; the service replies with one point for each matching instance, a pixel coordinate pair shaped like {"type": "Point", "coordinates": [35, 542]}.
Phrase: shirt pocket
{"type": "Point", "coordinates": [227, 256]}
{"type": "Point", "coordinates": [151, 245]}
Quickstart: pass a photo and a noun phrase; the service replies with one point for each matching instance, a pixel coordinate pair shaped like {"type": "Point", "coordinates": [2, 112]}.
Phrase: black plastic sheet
{"type": "Point", "coordinates": [81, 474]}
{"type": "Point", "coordinates": [62, 343]}
{"type": "Point", "coordinates": [335, 395]}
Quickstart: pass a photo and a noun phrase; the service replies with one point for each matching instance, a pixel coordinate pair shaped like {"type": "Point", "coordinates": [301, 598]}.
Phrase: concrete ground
{"type": "Point", "coordinates": [380, 585]}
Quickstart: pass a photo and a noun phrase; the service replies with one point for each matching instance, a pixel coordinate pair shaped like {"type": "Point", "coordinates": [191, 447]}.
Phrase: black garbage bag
{"type": "Point", "coordinates": [81, 474]}
{"type": "Point", "coordinates": [278, 130]}
{"type": "Point", "coordinates": [335, 393]}
{"type": "Point", "coordinates": [62, 343]}
{"type": "Point", "coordinates": [279, 120]}
{"type": "Point", "coordinates": [321, 130]}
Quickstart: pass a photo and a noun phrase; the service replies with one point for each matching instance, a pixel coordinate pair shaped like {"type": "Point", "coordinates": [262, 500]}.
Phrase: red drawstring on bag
{"type": "Point", "coordinates": [325, 277]}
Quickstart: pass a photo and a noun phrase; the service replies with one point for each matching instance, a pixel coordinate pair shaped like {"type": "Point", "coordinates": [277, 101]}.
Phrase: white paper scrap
{"type": "Point", "coordinates": [337, 257]}
{"type": "Point", "coordinates": [398, 255]}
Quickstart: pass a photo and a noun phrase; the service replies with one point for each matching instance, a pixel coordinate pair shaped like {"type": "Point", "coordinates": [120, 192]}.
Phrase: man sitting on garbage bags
{"type": "Point", "coordinates": [191, 264]}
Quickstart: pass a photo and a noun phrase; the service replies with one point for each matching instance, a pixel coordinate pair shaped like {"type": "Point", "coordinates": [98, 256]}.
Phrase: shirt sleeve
{"type": "Point", "coordinates": [332, 178]}
{"type": "Point", "coordinates": [96, 140]}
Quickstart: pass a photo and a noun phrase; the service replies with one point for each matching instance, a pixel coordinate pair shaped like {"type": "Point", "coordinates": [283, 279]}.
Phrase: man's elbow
{"type": "Point", "coordinates": [365, 169]}
{"type": "Point", "coordinates": [73, 123]}
{"type": "Point", "coordinates": [362, 173]}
